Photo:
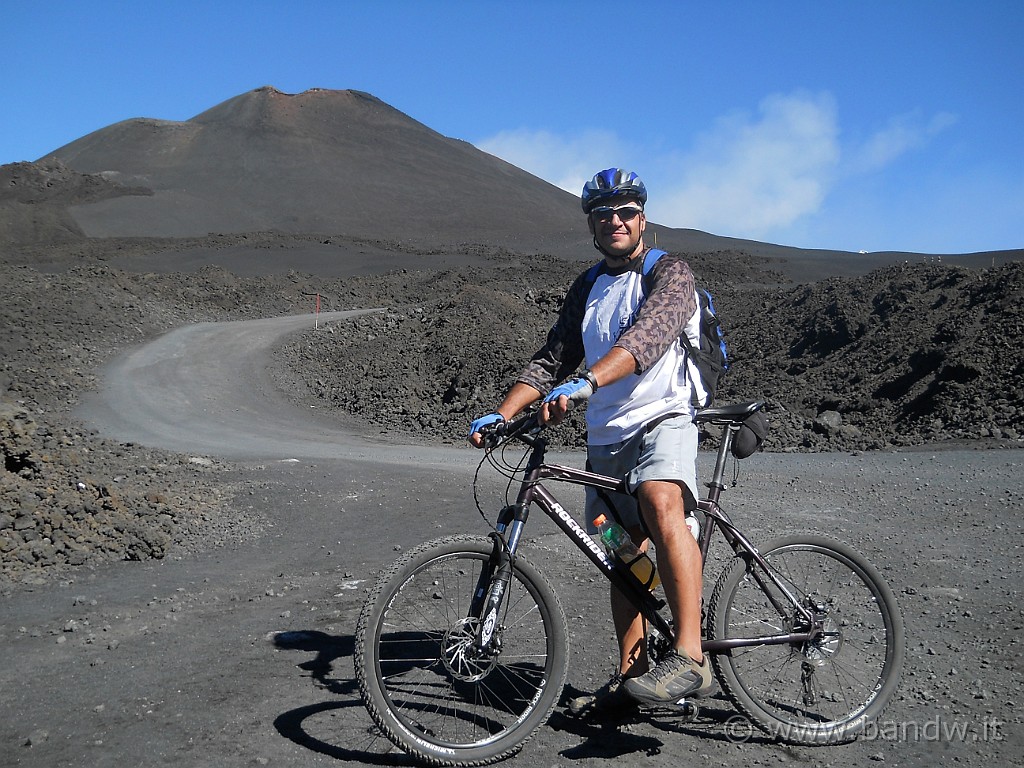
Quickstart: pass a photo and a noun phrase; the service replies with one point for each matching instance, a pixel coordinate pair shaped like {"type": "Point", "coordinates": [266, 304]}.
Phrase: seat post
{"type": "Point", "coordinates": [717, 484]}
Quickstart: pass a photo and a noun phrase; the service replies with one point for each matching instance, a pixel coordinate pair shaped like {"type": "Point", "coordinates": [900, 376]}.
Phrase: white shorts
{"type": "Point", "coordinates": [667, 452]}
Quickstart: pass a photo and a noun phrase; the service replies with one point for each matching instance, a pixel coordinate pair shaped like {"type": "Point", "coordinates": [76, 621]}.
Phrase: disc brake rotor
{"type": "Point", "coordinates": [460, 654]}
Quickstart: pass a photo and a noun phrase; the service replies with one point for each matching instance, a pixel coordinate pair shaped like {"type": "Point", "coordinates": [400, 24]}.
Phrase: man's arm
{"type": "Point", "coordinates": [563, 349]}
{"type": "Point", "coordinates": [561, 354]}
{"type": "Point", "coordinates": [615, 365]}
{"type": "Point", "coordinates": [663, 317]}
{"type": "Point", "coordinates": [517, 398]}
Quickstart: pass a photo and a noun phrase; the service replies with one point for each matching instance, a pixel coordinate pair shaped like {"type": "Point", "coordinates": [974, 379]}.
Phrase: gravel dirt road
{"type": "Point", "coordinates": [205, 388]}
{"type": "Point", "coordinates": [241, 654]}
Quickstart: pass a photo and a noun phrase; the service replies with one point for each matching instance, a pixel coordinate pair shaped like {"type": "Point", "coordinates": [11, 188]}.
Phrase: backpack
{"type": "Point", "coordinates": [710, 358]}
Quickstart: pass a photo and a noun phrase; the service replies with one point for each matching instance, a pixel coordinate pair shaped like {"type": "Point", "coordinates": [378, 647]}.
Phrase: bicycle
{"type": "Point", "coordinates": [461, 646]}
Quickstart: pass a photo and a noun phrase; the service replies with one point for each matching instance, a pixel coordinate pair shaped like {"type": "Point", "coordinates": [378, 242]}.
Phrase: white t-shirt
{"type": "Point", "coordinates": [619, 410]}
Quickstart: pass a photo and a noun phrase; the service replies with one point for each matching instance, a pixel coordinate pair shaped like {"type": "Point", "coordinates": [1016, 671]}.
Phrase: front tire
{"type": "Point", "coordinates": [421, 677]}
{"type": "Point", "coordinates": [827, 690]}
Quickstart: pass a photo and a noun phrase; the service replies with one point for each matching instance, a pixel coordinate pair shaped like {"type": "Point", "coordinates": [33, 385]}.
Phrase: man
{"type": "Point", "coordinates": [626, 328]}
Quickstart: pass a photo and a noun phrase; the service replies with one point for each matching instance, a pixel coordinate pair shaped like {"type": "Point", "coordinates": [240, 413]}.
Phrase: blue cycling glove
{"type": "Point", "coordinates": [577, 390]}
{"type": "Point", "coordinates": [483, 421]}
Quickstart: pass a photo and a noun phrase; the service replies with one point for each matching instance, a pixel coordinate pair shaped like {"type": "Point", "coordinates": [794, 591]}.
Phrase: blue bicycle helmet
{"type": "Point", "coordinates": [612, 182]}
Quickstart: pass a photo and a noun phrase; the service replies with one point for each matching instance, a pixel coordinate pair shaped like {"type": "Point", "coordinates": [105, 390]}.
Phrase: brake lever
{"type": "Point", "coordinates": [523, 428]}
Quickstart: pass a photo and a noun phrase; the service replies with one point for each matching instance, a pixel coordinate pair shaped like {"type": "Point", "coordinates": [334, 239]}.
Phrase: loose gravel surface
{"type": "Point", "coordinates": [174, 606]}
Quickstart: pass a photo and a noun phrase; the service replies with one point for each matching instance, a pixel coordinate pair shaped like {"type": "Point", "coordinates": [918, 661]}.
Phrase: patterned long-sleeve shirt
{"type": "Point", "coordinates": [670, 303]}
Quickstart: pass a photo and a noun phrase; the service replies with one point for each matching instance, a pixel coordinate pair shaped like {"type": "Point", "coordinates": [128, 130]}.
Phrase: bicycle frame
{"type": "Point", "coordinates": [512, 522]}
{"type": "Point", "coordinates": [459, 684]}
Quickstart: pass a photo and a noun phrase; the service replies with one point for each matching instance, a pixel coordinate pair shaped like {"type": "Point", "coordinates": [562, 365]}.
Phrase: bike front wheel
{"type": "Point", "coordinates": [424, 679]}
{"type": "Point", "coordinates": [821, 691]}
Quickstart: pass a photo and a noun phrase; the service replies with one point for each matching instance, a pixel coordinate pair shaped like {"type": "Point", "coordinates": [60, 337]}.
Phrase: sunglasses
{"type": "Point", "coordinates": [624, 212]}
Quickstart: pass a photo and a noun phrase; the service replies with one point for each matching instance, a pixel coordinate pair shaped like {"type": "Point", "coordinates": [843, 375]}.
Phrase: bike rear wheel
{"type": "Point", "coordinates": [826, 690]}
{"type": "Point", "coordinates": [423, 680]}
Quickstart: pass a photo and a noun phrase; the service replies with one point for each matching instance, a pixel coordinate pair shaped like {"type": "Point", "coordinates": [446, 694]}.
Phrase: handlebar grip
{"type": "Point", "coordinates": [519, 425]}
{"type": "Point", "coordinates": [492, 433]}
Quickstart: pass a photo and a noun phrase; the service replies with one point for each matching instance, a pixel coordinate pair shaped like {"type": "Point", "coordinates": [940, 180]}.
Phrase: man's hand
{"type": "Point", "coordinates": [475, 438]}
{"type": "Point", "coordinates": [556, 403]}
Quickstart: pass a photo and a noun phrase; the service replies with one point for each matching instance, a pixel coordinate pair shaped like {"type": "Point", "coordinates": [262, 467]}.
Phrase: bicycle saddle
{"type": "Point", "coordinates": [728, 414]}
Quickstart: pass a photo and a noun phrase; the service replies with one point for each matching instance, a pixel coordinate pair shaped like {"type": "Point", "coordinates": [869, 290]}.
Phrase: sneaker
{"type": "Point", "coordinates": [610, 699]}
{"type": "Point", "coordinates": [676, 677]}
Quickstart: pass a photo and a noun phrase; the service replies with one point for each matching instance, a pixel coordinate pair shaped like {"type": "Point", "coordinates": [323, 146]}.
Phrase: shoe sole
{"type": "Point", "coordinates": [700, 693]}
{"type": "Point", "coordinates": [703, 693]}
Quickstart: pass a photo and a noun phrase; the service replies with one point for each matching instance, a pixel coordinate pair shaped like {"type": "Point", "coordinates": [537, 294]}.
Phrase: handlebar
{"type": "Point", "coordinates": [527, 427]}
{"type": "Point", "coordinates": [524, 428]}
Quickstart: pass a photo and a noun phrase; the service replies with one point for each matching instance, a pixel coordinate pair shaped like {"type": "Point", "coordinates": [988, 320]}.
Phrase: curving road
{"type": "Point", "coordinates": [205, 389]}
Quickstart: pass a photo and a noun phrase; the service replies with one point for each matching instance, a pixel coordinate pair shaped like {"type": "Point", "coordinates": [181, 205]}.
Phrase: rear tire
{"type": "Point", "coordinates": [421, 681]}
{"type": "Point", "coordinates": [820, 692]}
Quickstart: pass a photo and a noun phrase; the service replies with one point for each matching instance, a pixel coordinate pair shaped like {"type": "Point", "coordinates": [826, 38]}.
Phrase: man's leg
{"type": "Point", "coordinates": [631, 631]}
{"type": "Point", "coordinates": [685, 673]}
{"type": "Point", "coordinates": [630, 627]}
{"type": "Point", "coordinates": [679, 564]}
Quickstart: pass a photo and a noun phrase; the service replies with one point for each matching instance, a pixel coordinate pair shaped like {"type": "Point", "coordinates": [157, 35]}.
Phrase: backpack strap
{"type": "Point", "coordinates": [591, 276]}
{"type": "Point", "coordinates": [650, 259]}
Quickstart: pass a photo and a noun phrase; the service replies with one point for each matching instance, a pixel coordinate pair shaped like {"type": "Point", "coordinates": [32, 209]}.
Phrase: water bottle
{"type": "Point", "coordinates": [617, 541]}
{"type": "Point", "coordinates": [694, 525]}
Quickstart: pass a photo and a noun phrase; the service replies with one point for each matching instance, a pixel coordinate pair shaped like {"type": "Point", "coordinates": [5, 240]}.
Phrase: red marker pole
{"type": "Point", "coordinates": [316, 308]}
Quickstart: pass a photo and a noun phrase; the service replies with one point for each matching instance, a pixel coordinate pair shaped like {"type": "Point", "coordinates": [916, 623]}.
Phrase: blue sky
{"type": "Point", "coordinates": [863, 125]}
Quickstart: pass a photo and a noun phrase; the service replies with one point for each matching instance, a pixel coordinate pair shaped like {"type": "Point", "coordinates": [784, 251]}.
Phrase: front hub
{"type": "Point", "coordinates": [461, 655]}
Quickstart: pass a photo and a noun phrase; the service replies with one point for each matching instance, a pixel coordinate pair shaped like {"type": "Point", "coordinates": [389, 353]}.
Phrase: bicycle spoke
{"type": "Point", "coordinates": [434, 682]}
{"type": "Point", "coordinates": [826, 683]}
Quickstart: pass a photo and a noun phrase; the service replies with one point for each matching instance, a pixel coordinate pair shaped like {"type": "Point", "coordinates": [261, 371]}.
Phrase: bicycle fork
{"type": "Point", "coordinates": [495, 579]}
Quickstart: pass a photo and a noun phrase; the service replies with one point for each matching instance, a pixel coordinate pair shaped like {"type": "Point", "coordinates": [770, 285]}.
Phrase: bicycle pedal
{"type": "Point", "coordinates": [688, 709]}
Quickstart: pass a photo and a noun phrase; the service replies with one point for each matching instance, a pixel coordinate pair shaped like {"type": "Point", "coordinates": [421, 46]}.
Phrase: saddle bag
{"type": "Point", "coordinates": [751, 435]}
